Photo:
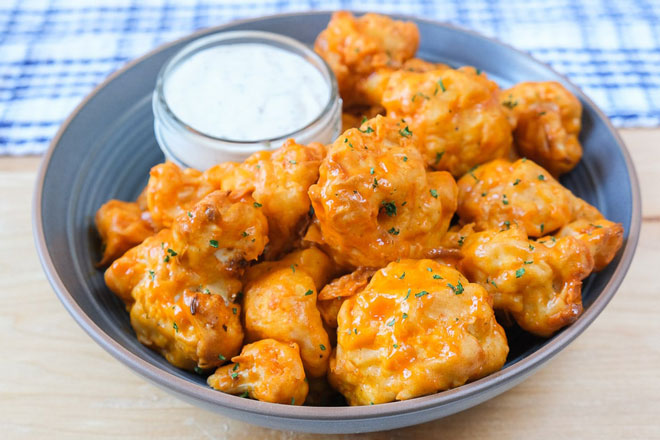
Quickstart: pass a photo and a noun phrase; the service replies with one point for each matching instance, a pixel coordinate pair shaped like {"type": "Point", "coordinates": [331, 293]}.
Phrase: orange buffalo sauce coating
{"type": "Point", "coordinates": [375, 201]}
{"type": "Point", "coordinates": [418, 327]}
{"type": "Point", "coordinates": [266, 370]}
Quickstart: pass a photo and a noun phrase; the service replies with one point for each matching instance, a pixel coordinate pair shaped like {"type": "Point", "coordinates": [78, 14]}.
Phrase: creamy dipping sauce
{"type": "Point", "coordinates": [246, 92]}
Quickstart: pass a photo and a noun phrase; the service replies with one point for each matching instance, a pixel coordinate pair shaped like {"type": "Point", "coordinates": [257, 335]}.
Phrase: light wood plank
{"type": "Point", "coordinates": [56, 382]}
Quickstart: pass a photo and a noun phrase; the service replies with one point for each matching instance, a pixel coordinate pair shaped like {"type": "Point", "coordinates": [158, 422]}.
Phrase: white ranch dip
{"type": "Point", "coordinates": [246, 92]}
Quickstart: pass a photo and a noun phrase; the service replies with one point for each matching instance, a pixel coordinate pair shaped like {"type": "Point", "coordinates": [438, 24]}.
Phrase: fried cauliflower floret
{"type": "Point", "coordinates": [603, 238]}
{"type": "Point", "coordinates": [179, 285]}
{"type": "Point", "coordinates": [419, 327]}
{"type": "Point", "coordinates": [172, 308]}
{"type": "Point", "coordinates": [281, 304]}
{"type": "Point", "coordinates": [278, 181]}
{"type": "Point", "coordinates": [172, 191]}
{"type": "Point", "coordinates": [539, 283]}
{"type": "Point", "coordinates": [220, 234]}
{"type": "Point", "coordinates": [375, 201]}
{"type": "Point", "coordinates": [455, 115]}
{"type": "Point", "coordinates": [355, 47]}
{"type": "Point", "coordinates": [338, 290]}
{"type": "Point", "coordinates": [548, 124]}
{"type": "Point", "coordinates": [121, 226]}
{"type": "Point", "coordinates": [501, 194]}
{"type": "Point", "coordinates": [266, 370]}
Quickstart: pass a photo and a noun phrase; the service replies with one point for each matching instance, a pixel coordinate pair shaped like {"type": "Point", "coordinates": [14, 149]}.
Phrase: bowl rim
{"type": "Point", "coordinates": [197, 392]}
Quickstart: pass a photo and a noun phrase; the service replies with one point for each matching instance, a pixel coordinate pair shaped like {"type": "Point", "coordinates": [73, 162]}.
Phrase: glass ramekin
{"type": "Point", "coordinates": [188, 147]}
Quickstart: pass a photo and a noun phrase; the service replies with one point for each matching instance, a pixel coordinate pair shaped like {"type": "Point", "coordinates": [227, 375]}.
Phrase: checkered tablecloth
{"type": "Point", "coordinates": [53, 52]}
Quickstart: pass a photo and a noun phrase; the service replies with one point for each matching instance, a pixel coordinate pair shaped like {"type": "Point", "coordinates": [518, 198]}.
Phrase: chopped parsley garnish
{"type": "Point", "coordinates": [405, 158]}
{"type": "Point", "coordinates": [234, 310]}
{"type": "Point", "coordinates": [404, 316]}
{"type": "Point", "coordinates": [484, 194]}
{"type": "Point", "coordinates": [507, 223]}
{"type": "Point", "coordinates": [420, 94]}
{"type": "Point", "coordinates": [541, 177]}
{"type": "Point", "coordinates": [234, 375]}
{"type": "Point", "coordinates": [531, 248]}
{"type": "Point", "coordinates": [461, 240]}
{"type": "Point", "coordinates": [529, 262]}
{"type": "Point", "coordinates": [542, 228]}
{"type": "Point", "coordinates": [505, 201]}
{"type": "Point", "coordinates": [596, 226]}
{"type": "Point", "coordinates": [221, 357]}
{"type": "Point", "coordinates": [189, 214]}
{"type": "Point", "coordinates": [368, 130]}
{"type": "Point", "coordinates": [375, 184]}
{"type": "Point", "coordinates": [407, 295]}
{"type": "Point", "coordinates": [493, 283]}
{"type": "Point", "coordinates": [166, 259]}
{"type": "Point", "coordinates": [442, 85]}
{"type": "Point", "coordinates": [391, 322]}
{"type": "Point", "coordinates": [395, 346]}
{"type": "Point", "coordinates": [293, 162]}
{"type": "Point", "coordinates": [390, 208]}
{"type": "Point", "coordinates": [437, 277]}
{"type": "Point", "coordinates": [152, 275]}
{"type": "Point", "coordinates": [520, 272]}
{"type": "Point", "coordinates": [458, 289]}
{"type": "Point", "coordinates": [403, 275]}
{"type": "Point", "coordinates": [236, 366]}
{"type": "Point", "coordinates": [394, 231]}
{"type": "Point", "coordinates": [421, 294]}
{"type": "Point", "coordinates": [405, 132]}
{"type": "Point", "coordinates": [438, 157]}
{"type": "Point", "coordinates": [434, 193]}
{"type": "Point", "coordinates": [293, 268]}
{"type": "Point", "coordinates": [516, 182]}
{"type": "Point", "coordinates": [322, 347]}
{"type": "Point", "coordinates": [293, 399]}
{"type": "Point", "coordinates": [429, 269]}
{"type": "Point", "coordinates": [171, 252]}
{"type": "Point", "coordinates": [198, 370]}
{"type": "Point", "coordinates": [257, 205]}
{"type": "Point", "coordinates": [176, 327]}
{"type": "Point", "coordinates": [510, 103]}
{"type": "Point", "coordinates": [213, 243]}
{"type": "Point", "coordinates": [207, 291]}
{"type": "Point", "coordinates": [309, 292]}
{"type": "Point", "coordinates": [244, 234]}
{"type": "Point", "coordinates": [244, 394]}
{"type": "Point", "coordinates": [478, 71]}
{"type": "Point", "coordinates": [372, 171]}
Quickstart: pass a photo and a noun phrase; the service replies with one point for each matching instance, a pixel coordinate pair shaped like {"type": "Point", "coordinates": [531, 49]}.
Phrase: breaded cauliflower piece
{"type": "Point", "coordinates": [278, 181]}
{"type": "Point", "coordinates": [501, 194]}
{"type": "Point", "coordinates": [538, 282]}
{"type": "Point", "coordinates": [356, 47]}
{"type": "Point", "coordinates": [603, 238]}
{"type": "Point", "coordinates": [280, 303]}
{"type": "Point", "coordinates": [180, 293]}
{"type": "Point", "coordinates": [418, 327]}
{"type": "Point", "coordinates": [121, 226]}
{"type": "Point", "coordinates": [266, 370]}
{"type": "Point", "coordinates": [375, 201]}
{"type": "Point", "coordinates": [455, 115]}
{"type": "Point", "coordinates": [548, 121]}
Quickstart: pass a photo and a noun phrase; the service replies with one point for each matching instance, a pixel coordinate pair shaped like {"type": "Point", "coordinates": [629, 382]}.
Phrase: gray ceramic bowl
{"type": "Point", "coordinates": [106, 147]}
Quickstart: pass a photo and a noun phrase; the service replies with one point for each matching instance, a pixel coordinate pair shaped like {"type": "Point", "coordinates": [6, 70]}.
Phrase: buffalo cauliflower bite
{"type": "Point", "coordinates": [539, 283]}
{"type": "Point", "coordinates": [602, 237]}
{"type": "Point", "coordinates": [278, 181]}
{"type": "Point", "coordinates": [266, 370]}
{"type": "Point", "coordinates": [356, 47]}
{"type": "Point", "coordinates": [454, 114]}
{"type": "Point", "coordinates": [375, 201]}
{"type": "Point", "coordinates": [548, 121]}
{"type": "Point", "coordinates": [121, 226]}
{"type": "Point", "coordinates": [180, 293]}
{"type": "Point", "coordinates": [417, 328]}
{"type": "Point", "coordinates": [280, 303]}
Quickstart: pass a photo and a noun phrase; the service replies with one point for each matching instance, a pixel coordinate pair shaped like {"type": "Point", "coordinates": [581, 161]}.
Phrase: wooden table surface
{"type": "Point", "coordinates": [55, 382]}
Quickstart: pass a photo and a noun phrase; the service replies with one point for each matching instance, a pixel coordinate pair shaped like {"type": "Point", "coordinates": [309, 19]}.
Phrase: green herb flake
{"type": "Point", "coordinates": [244, 394]}
{"type": "Point", "coordinates": [493, 283]}
{"type": "Point", "coordinates": [520, 272]}
{"type": "Point", "coordinates": [516, 182]}
{"type": "Point", "coordinates": [322, 347]}
{"type": "Point", "coordinates": [434, 193]}
{"type": "Point", "coordinates": [257, 205]}
{"type": "Point", "coordinates": [404, 316]}
{"type": "Point", "coordinates": [293, 268]}
{"type": "Point", "coordinates": [152, 275]}
{"type": "Point", "coordinates": [372, 171]}
{"type": "Point", "coordinates": [222, 358]}
{"type": "Point", "coordinates": [394, 231]}
{"type": "Point", "coordinates": [390, 208]}
{"type": "Point", "coordinates": [309, 292]}
{"type": "Point", "coordinates": [429, 269]}
{"type": "Point", "coordinates": [531, 248]}
{"type": "Point", "coordinates": [541, 177]}
{"type": "Point", "coordinates": [176, 327]}
{"type": "Point", "coordinates": [234, 375]}
{"type": "Point", "coordinates": [403, 275]}
{"type": "Point", "coordinates": [213, 243]}
{"type": "Point", "coordinates": [542, 227]}
{"type": "Point", "coordinates": [391, 322]}
{"type": "Point", "coordinates": [529, 262]}
{"type": "Point", "coordinates": [293, 401]}
{"type": "Point", "coordinates": [244, 234]}
{"type": "Point", "coordinates": [458, 289]}
{"type": "Point", "coordinates": [478, 71]}
{"type": "Point", "coordinates": [421, 294]}
{"type": "Point", "coordinates": [293, 162]}
{"type": "Point", "coordinates": [189, 214]}
{"type": "Point", "coordinates": [236, 366]}
{"type": "Point", "coordinates": [171, 252]}
{"type": "Point", "coordinates": [375, 184]}
{"type": "Point", "coordinates": [407, 295]}
{"type": "Point", "coordinates": [234, 310]}
{"type": "Point", "coordinates": [405, 132]}
{"type": "Point", "coordinates": [207, 291]}
{"type": "Point", "coordinates": [198, 370]}
{"type": "Point", "coordinates": [484, 194]}
{"type": "Point", "coordinates": [461, 240]}
{"type": "Point", "coordinates": [166, 259]}
{"type": "Point", "coordinates": [596, 226]}
{"type": "Point", "coordinates": [405, 158]}
{"type": "Point", "coordinates": [438, 157]}
{"type": "Point", "coordinates": [395, 346]}
{"type": "Point", "coordinates": [442, 85]}
{"type": "Point", "coordinates": [505, 201]}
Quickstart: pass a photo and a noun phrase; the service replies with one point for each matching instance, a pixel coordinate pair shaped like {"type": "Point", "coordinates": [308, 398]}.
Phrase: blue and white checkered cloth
{"type": "Point", "coordinates": [53, 52]}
